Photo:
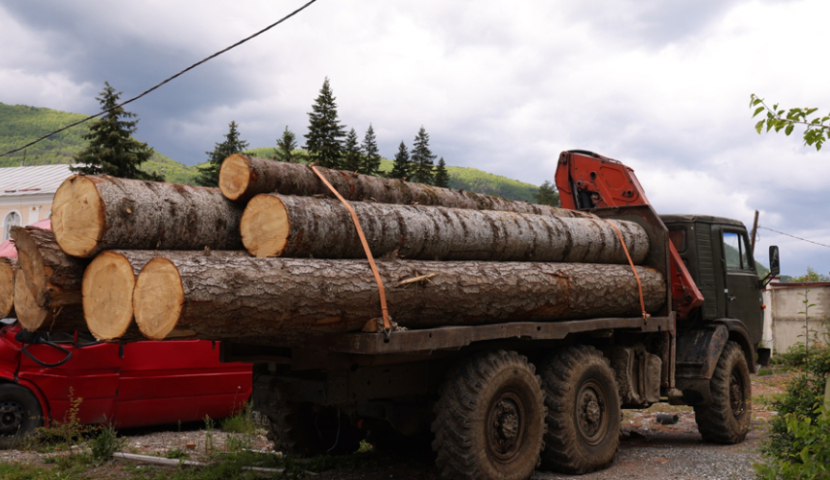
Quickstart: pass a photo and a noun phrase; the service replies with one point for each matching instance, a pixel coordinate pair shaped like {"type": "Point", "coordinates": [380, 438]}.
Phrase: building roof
{"type": "Point", "coordinates": [15, 181]}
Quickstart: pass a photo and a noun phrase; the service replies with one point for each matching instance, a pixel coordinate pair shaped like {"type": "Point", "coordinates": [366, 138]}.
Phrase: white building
{"type": "Point", "coordinates": [26, 194]}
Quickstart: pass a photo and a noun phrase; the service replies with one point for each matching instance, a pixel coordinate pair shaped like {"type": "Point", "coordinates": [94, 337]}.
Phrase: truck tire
{"type": "Point", "coordinates": [490, 419]}
{"type": "Point", "coordinates": [20, 414]}
{"type": "Point", "coordinates": [726, 419]}
{"type": "Point", "coordinates": [584, 414]}
{"type": "Point", "coordinates": [306, 429]}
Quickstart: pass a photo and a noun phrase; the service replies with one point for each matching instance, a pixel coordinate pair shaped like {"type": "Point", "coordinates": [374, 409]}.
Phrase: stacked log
{"type": "Point", "coordinates": [242, 177]}
{"type": "Point", "coordinates": [47, 285]}
{"type": "Point", "coordinates": [279, 300]}
{"type": "Point", "coordinates": [288, 226]}
{"type": "Point", "coordinates": [187, 262]}
{"type": "Point", "coordinates": [95, 213]}
{"type": "Point", "coordinates": [7, 267]}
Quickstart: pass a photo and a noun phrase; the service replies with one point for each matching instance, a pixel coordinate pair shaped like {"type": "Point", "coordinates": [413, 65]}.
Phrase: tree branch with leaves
{"type": "Point", "coordinates": [817, 128]}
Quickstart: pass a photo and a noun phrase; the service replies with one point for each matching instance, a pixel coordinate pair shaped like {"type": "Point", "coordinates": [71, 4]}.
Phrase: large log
{"type": "Point", "coordinates": [95, 213]}
{"type": "Point", "coordinates": [291, 226]}
{"type": "Point", "coordinates": [242, 177]}
{"type": "Point", "coordinates": [108, 284]}
{"type": "Point", "coordinates": [283, 300]}
{"type": "Point", "coordinates": [107, 292]}
{"type": "Point", "coordinates": [7, 266]}
{"type": "Point", "coordinates": [47, 287]}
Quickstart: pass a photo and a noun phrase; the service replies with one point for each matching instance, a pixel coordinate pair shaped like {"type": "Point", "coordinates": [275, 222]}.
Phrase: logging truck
{"type": "Point", "coordinates": [496, 401]}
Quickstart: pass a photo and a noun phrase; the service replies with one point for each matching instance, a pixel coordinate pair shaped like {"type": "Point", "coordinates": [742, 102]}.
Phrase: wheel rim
{"type": "Point", "coordinates": [736, 394]}
{"type": "Point", "coordinates": [506, 426]}
{"type": "Point", "coordinates": [11, 417]}
{"type": "Point", "coordinates": [591, 414]}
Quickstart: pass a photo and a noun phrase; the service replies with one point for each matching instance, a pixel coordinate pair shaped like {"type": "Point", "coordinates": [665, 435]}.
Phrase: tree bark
{"type": "Point", "coordinates": [95, 213]}
{"type": "Point", "coordinates": [47, 290]}
{"type": "Point", "coordinates": [241, 177]}
{"type": "Point", "coordinates": [289, 226]}
{"type": "Point", "coordinates": [7, 267]}
{"type": "Point", "coordinates": [280, 301]}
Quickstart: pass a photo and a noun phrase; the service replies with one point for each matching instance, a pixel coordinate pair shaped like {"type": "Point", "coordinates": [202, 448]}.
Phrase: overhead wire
{"type": "Point", "coordinates": [793, 236]}
{"type": "Point", "coordinates": [204, 60]}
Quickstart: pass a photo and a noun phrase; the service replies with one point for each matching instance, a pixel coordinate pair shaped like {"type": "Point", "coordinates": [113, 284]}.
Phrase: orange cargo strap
{"type": "Point", "coordinates": [628, 256]}
{"type": "Point", "coordinates": [387, 324]}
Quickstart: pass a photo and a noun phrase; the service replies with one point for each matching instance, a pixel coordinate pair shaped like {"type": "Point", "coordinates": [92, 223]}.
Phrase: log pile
{"type": "Point", "coordinates": [7, 267]}
{"type": "Point", "coordinates": [271, 257]}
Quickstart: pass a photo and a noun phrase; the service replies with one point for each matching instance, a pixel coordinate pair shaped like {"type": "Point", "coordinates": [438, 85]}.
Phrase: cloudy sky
{"type": "Point", "coordinates": [504, 86]}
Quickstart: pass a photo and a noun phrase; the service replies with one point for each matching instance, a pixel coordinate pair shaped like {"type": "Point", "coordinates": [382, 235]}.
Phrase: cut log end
{"type": "Point", "coordinates": [30, 315]}
{"type": "Point", "coordinates": [265, 226]}
{"type": "Point", "coordinates": [235, 176]}
{"type": "Point", "coordinates": [158, 298]}
{"type": "Point", "coordinates": [6, 287]}
{"type": "Point", "coordinates": [107, 296]}
{"type": "Point", "coordinates": [78, 217]}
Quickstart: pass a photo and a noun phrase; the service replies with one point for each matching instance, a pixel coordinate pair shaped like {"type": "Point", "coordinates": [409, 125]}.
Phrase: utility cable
{"type": "Point", "coordinates": [789, 235]}
{"type": "Point", "coordinates": [220, 52]}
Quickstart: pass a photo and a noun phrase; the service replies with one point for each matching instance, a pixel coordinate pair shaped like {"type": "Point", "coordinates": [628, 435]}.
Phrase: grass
{"type": "Point", "coordinates": [240, 422]}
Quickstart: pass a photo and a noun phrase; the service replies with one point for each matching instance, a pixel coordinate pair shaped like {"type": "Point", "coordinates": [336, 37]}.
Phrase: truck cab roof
{"type": "Point", "coordinates": [693, 218]}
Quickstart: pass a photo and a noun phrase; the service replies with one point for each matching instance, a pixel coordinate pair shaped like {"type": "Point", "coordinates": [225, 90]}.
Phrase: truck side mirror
{"type": "Point", "coordinates": [774, 266]}
{"type": "Point", "coordinates": [774, 262]}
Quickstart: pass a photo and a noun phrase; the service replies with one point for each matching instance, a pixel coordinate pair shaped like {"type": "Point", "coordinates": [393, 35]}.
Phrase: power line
{"type": "Point", "coordinates": [220, 52]}
{"type": "Point", "coordinates": [799, 238]}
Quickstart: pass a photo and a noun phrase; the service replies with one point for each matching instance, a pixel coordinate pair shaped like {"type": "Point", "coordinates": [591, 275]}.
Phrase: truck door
{"type": "Point", "coordinates": [743, 300]}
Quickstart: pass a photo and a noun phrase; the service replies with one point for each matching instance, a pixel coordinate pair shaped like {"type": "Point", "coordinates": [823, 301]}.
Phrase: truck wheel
{"type": "Point", "coordinates": [306, 429]}
{"type": "Point", "coordinates": [20, 414]}
{"type": "Point", "coordinates": [726, 419]}
{"type": "Point", "coordinates": [583, 410]}
{"type": "Point", "coordinates": [490, 419]}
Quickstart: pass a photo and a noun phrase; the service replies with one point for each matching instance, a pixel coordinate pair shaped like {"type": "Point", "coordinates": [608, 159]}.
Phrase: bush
{"type": "Point", "coordinates": [799, 443]}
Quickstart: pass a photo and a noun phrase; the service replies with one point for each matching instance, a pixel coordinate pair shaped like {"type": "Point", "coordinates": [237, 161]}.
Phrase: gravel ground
{"type": "Point", "coordinates": [648, 450]}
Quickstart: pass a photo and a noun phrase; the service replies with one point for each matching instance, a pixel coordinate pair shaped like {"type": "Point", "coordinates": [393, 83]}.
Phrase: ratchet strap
{"type": "Point", "coordinates": [628, 256]}
{"type": "Point", "coordinates": [387, 324]}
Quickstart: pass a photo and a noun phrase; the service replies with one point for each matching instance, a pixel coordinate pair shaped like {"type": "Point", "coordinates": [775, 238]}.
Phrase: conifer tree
{"type": "Point", "coordinates": [112, 150]}
{"type": "Point", "coordinates": [286, 146]}
{"type": "Point", "coordinates": [547, 195]}
{"type": "Point", "coordinates": [209, 174]}
{"type": "Point", "coordinates": [442, 177]}
{"type": "Point", "coordinates": [400, 166]}
{"type": "Point", "coordinates": [422, 158]}
{"type": "Point", "coordinates": [324, 131]}
{"type": "Point", "coordinates": [371, 155]}
{"type": "Point", "coordinates": [351, 153]}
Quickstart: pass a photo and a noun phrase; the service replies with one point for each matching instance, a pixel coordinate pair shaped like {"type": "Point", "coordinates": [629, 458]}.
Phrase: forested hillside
{"type": "Point", "coordinates": [20, 124]}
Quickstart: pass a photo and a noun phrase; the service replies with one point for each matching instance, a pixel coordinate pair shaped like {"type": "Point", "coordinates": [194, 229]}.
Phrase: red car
{"type": "Point", "coordinates": [126, 385]}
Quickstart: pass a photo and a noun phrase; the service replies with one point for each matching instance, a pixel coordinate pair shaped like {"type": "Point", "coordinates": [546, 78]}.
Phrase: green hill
{"type": "Point", "coordinates": [20, 124]}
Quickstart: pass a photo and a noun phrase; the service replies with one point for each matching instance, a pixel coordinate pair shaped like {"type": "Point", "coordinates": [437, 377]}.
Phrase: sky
{"type": "Point", "coordinates": [503, 86]}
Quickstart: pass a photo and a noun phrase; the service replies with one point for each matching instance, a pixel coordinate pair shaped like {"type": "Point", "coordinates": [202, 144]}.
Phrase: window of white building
{"type": "Point", "coordinates": [12, 219]}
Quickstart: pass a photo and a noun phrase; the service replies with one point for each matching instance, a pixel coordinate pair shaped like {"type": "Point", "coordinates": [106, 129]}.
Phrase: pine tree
{"type": "Point", "coordinates": [547, 195]}
{"type": "Point", "coordinates": [112, 150]}
{"type": "Point", "coordinates": [286, 146]}
{"type": "Point", "coordinates": [442, 178]}
{"type": "Point", "coordinates": [351, 153]}
{"type": "Point", "coordinates": [371, 155]}
{"type": "Point", "coordinates": [324, 131]}
{"type": "Point", "coordinates": [209, 174]}
{"type": "Point", "coordinates": [401, 165]}
{"type": "Point", "coordinates": [422, 158]}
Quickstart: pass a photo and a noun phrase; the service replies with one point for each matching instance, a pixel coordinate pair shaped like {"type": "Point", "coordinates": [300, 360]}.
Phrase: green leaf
{"type": "Point", "coordinates": [757, 111]}
{"type": "Point", "coordinates": [759, 126]}
{"type": "Point", "coordinates": [789, 129]}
